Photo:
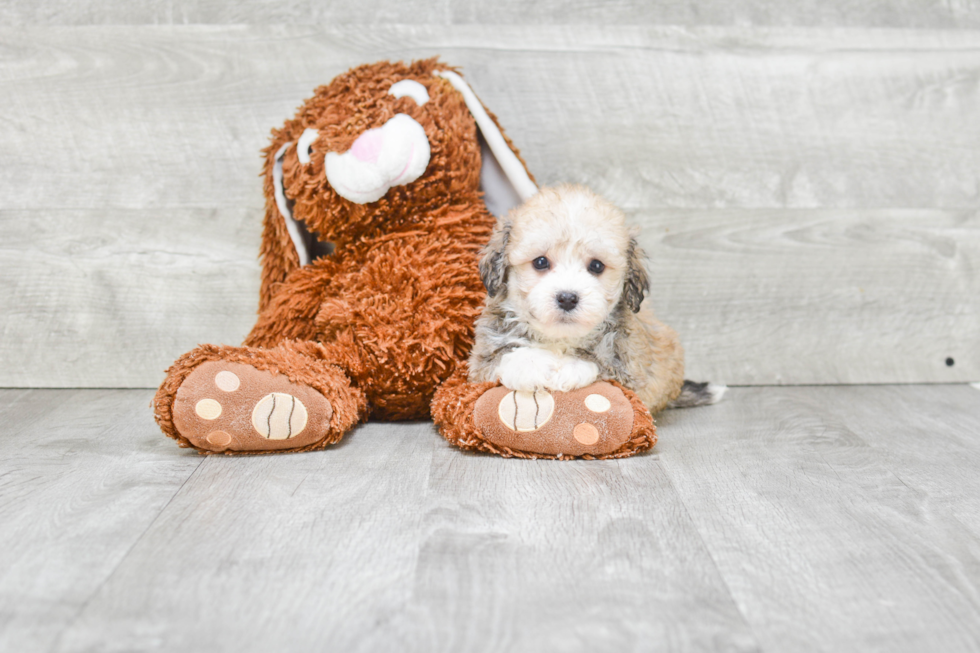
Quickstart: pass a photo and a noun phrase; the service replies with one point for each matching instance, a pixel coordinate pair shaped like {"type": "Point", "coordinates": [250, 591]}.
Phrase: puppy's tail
{"type": "Point", "coordinates": [698, 394]}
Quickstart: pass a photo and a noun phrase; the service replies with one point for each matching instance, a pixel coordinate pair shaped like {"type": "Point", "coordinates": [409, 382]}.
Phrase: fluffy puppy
{"type": "Point", "coordinates": [566, 305]}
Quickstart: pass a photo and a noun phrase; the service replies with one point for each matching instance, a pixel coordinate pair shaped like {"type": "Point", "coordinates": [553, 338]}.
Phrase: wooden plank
{"type": "Point", "coordinates": [286, 553]}
{"type": "Point", "coordinates": [826, 542]}
{"type": "Point", "coordinates": [110, 298]}
{"type": "Point", "coordinates": [914, 14]}
{"type": "Point", "coordinates": [372, 547]}
{"type": "Point", "coordinates": [806, 518]}
{"type": "Point", "coordinates": [82, 476]}
{"type": "Point", "coordinates": [584, 556]}
{"type": "Point", "coordinates": [834, 13]}
{"type": "Point", "coordinates": [811, 296]}
{"type": "Point", "coordinates": [759, 297]}
{"type": "Point", "coordinates": [726, 117]}
{"type": "Point", "coordinates": [936, 451]}
{"type": "Point", "coordinates": [131, 206]}
{"type": "Point", "coordinates": [9, 401]}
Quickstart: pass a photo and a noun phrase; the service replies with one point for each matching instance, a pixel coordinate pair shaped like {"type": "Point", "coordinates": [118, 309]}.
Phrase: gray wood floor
{"type": "Point", "coordinates": [786, 518]}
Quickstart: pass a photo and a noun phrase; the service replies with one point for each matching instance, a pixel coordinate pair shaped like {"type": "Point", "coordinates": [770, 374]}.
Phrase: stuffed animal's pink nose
{"type": "Point", "coordinates": [368, 145]}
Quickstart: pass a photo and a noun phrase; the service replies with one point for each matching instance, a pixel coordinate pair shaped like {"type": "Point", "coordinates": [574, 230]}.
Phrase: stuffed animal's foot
{"type": "Point", "coordinates": [249, 400]}
{"type": "Point", "coordinates": [225, 406]}
{"type": "Point", "coordinates": [602, 420]}
{"type": "Point", "coordinates": [594, 420]}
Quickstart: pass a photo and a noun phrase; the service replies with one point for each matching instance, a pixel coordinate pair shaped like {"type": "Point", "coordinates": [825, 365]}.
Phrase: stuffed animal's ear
{"type": "Point", "coordinates": [504, 179]}
{"type": "Point", "coordinates": [637, 282]}
{"type": "Point", "coordinates": [279, 254]}
{"type": "Point", "coordinates": [493, 265]}
{"type": "Point", "coordinates": [286, 242]}
{"type": "Point", "coordinates": [308, 247]}
{"type": "Point", "coordinates": [285, 208]}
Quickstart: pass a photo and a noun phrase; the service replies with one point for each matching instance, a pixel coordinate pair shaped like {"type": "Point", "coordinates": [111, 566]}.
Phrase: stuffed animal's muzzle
{"type": "Point", "coordinates": [394, 154]}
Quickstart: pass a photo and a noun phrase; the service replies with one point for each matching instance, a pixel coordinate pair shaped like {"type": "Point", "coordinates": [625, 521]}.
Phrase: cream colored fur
{"type": "Point", "coordinates": [527, 341]}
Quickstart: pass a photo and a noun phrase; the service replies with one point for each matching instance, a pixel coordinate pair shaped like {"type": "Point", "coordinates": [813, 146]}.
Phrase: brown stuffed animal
{"type": "Point", "coordinates": [380, 194]}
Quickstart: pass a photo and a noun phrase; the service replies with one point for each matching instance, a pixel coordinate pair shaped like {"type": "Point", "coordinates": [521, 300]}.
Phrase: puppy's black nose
{"type": "Point", "coordinates": [566, 300]}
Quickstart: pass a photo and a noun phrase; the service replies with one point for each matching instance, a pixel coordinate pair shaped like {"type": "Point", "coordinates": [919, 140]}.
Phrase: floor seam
{"type": "Point", "coordinates": [81, 609]}
{"type": "Point", "coordinates": [710, 553]}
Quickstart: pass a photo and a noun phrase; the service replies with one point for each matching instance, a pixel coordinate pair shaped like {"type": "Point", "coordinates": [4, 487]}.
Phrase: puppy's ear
{"type": "Point", "coordinates": [493, 265]}
{"type": "Point", "coordinates": [637, 282]}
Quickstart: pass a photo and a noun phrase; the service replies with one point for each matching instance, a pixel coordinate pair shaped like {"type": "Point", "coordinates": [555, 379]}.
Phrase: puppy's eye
{"type": "Point", "coordinates": [541, 263]}
{"type": "Point", "coordinates": [596, 266]}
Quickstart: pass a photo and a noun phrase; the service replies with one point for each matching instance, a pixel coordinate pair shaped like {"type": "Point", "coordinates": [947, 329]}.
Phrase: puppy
{"type": "Point", "coordinates": [566, 284]}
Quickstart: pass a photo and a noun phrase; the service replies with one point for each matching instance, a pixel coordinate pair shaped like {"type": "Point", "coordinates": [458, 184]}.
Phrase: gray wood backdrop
{"type": "Point", "coordinates": [807, 174]}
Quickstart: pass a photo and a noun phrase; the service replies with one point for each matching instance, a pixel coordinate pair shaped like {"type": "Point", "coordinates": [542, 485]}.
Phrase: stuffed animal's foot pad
{"type": "Point", "coordinates": [526, 411]}
{"type": "Point", "coordinates": [235, 407]}
{"type": "Point", "coordinates": [594, 420]}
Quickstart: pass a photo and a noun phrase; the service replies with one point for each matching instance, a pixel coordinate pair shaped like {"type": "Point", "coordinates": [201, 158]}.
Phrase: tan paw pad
{"type": "Point", "coordinates": [586, 433]}
{"type": "Point", "coordinates": [526, 411]}
{"type": "Point", "coordinates": [208, 409]}
{"type": "Point", "coordinates": [597, 403]}
{"type": "Point", "coordinates": [227, 381]}
{"type": "Point", "coordinates": [219, 439]}
{"type": "Point", "coordinates": [279, 416]}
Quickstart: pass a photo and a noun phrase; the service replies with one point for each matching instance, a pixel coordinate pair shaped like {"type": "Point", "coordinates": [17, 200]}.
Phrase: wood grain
{"type": "Point", "coordinates": [935, 450]}
{"type": "Point", "coordinates": [397, 541]}
{"type": "Point", "coordinates": [126, 117]}
{"type": "Point", "coordinates": [822, 181]}
{"type": "Point", "coordinates": [805, 296]}
{"type": "Point", "coordinates": [110, 298]}
{"type": "Point", "coordinates": [806, 518]}
{"type": "Point", "coordinates": [829, 542]}
{"type": "Point", "coordinates": [273, 552]}
{"type": "Point", "coordinates": [758, 297]}
{"type": "Point", "coordinates": [82, 476]}
{"type": "Point", "coordinates": [589, 556]}
{"type": "Point", "coordinates": [834, 13]}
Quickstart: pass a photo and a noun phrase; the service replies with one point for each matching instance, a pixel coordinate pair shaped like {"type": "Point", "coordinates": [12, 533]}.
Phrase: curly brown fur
{"type": "Point", "coordinates": [396, 300]}
{"type": "Point", "coordinates": [341, 111]}
{"type": "Point", "coordinates": [388, 315]}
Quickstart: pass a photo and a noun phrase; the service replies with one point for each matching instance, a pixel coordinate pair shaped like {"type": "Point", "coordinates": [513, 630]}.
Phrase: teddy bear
{"type": "Point", "coordinates": [380, 194]}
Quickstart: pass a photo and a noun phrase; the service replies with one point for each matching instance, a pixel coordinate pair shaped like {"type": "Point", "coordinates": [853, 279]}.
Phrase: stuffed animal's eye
{"type": "Point", "coordinates": [412, 89]}
{"type": "Point", "coordinates": [541, 263]}
{"type": "Point", "coordinates": [304, 147]}
{"type": "Point", "coordinates": [596, 266]}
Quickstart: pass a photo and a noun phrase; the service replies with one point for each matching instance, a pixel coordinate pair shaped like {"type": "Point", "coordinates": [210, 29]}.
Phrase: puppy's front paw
{"type": "Point", "coordinates": [526, 369]}
{"type": "Point", "coordinates": [572, 374]}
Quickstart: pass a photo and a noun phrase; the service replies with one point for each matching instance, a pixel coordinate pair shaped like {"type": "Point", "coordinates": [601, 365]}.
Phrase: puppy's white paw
{"type": "Point", "coordinates": [526, 369]}
{"type": "Point", "coordinates": [572, 374]}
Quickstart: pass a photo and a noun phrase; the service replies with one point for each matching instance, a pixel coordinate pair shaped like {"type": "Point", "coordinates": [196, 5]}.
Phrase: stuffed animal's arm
{"type": "Point", "coordinates": [291, 311]}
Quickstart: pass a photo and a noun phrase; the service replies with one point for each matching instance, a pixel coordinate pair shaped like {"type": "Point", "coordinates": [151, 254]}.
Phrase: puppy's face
{"type": "Point", "coordinates": [565, 259]}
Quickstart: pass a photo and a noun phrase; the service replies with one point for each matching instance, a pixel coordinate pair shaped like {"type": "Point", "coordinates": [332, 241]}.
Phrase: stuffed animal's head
{"type": "Point", "coordinates": [380, 146]}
